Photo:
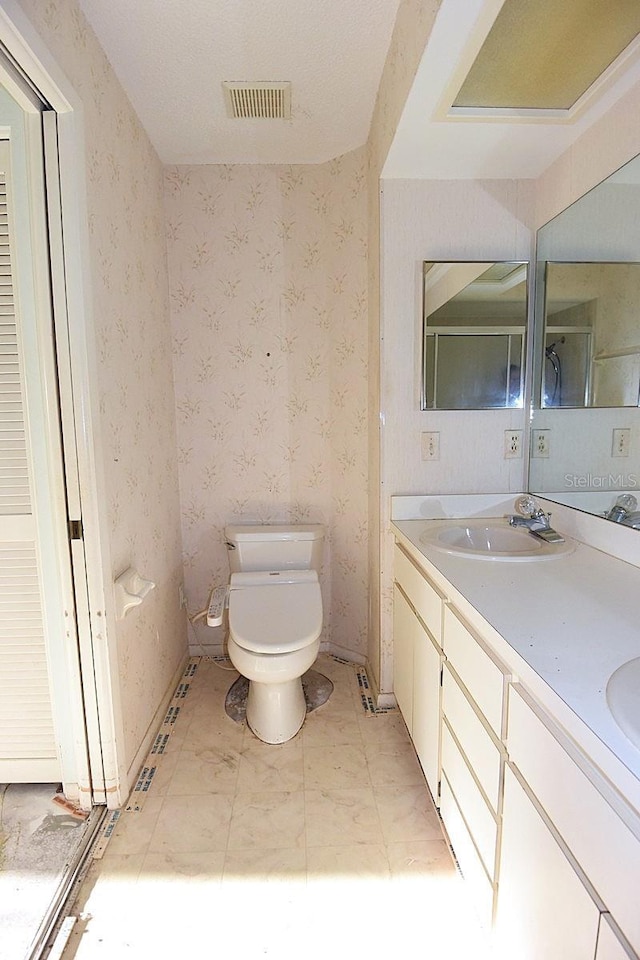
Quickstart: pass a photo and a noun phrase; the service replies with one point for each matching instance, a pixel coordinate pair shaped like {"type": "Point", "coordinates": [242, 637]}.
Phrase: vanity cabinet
{"type": "Point", "coordinates": [547, 844]}
{"type": "Point", "coordinates": [417, 626]}
{"type": "Point", "coordinates": [598, 829]}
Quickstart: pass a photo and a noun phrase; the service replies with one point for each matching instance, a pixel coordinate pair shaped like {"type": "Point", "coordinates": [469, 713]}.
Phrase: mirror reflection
{"type": "Point", "coordinates": [585, 439]}
{"type": "Point", "coordinates": [474, 325]}
{"type": "Point", "coordinates": [591, 351]}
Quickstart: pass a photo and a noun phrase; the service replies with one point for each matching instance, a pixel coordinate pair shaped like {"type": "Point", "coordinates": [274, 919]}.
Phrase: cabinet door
{"type": "Point", "coordinates": [609, 944]}
{"type": "Point", "coordinates": [404, 629]}
{"type": "Point", "coordinates": [544, 911]}
{"type": "Point", "coordinates": [426, 707]}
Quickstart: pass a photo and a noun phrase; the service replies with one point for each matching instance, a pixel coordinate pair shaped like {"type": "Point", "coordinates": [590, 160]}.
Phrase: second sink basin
{"type": "Point", "coordinates": [491, 539]}
{"type": "Point", "coordinates": [623, 699]}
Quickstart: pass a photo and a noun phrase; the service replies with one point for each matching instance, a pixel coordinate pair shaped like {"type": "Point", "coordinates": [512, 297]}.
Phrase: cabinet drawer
{"type": "Point", "coordinates": [424, 597]}
{"type": "Point", "coordinates": [480, 672]}
{"type": "Point", "coordinates": [607, 849]}
{"type": "Point", "coordinates": [482, 753]}
{"type": "Point", "coordinates": [426, 707]}
{"type": "Point", "coordinates": [609, 944]}
{"type": "Point", "coordinates": [473, 807]}
{"type": "Point", "coordinates": [480, 887]}
{"type": "Point", "coordinates": [544, 911]}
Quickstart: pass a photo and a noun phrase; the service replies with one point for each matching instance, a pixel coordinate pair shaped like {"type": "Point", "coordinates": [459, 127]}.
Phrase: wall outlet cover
{"type": "Point", "coordinates": [512, 444]}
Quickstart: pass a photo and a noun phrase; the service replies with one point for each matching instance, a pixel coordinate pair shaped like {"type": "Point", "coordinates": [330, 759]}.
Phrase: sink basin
{"type": "Point", "coordinates": [623, 697]}
{"type": "Point", "coordinates": [491, 540]}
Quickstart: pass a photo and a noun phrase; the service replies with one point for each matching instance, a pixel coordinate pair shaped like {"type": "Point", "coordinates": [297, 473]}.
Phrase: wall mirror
{"type": "Point", "coordinates": [473, 335]}
{"type": "Point", "coordinates": [585, 441]}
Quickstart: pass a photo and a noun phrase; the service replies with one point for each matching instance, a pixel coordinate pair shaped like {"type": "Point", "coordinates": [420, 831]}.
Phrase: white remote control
{"type": "Point", "coordinates": [217, 603]}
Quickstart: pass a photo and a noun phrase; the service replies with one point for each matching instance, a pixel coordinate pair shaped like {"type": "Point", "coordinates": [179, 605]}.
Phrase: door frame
{"type": "Point", "coordinates": [77, 376]}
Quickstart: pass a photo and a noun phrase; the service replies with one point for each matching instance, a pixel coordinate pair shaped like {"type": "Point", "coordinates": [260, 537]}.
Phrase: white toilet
{"type": "Point", "coordinates": [275, 620]}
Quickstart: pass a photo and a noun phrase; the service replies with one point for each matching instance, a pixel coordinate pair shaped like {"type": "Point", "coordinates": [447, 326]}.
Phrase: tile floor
{"type": "Point", "coordinates": [326, 845]}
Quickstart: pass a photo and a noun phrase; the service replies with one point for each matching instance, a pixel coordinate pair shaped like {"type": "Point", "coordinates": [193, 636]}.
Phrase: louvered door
{"type": "Point", "coordinates": [27, 742]}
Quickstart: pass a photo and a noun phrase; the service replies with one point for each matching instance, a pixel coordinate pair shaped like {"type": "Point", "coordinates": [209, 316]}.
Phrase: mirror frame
{"type": "Point", "coordinates": [526, 329]}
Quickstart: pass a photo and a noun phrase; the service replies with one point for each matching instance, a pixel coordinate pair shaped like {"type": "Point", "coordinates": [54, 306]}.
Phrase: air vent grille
{"type": "Point", "coordinates": [267, 101]}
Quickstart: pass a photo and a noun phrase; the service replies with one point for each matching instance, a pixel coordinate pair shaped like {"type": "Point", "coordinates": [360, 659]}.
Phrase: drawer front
{"type": "Point", "coordinates": [481, 675]}
{"type": "Point", "coordinates": [609, 945]}
{"type": "Point", "coordinates": [424, 597]}
{"type": "Point", "coordinates": [475, 811]}
{"type": "Point", "coordinates": [426, 708]}
{"type": "Point", "coordinates": [604, 846]}
{"type": "Point", "coordinates": [481, 888]}
{"type": "Point", "coordinates": [482, 753]}
{"type": "Point", "coordinates": [405, 625]}
{"type": "Point", "coordinates": [544, 911]}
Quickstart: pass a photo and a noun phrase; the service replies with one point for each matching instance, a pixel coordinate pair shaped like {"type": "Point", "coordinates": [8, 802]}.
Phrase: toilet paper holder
{"type": "Point", "coordinates": [129, 590]}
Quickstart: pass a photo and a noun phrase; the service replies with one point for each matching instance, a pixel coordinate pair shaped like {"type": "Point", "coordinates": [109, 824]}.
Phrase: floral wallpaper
{"type": "Point", "coordinates": [268, 281]}
{"type": "Point", "coordinates": [136, 417]}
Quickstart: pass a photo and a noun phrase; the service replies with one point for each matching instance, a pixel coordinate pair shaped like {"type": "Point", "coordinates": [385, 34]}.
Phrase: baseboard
{"type": "Point", "coordinates": [152, 729]}
{"type": "Point", "coordinates": [382, 700]}
{"type": "Point", "coordinates": [334, 650]}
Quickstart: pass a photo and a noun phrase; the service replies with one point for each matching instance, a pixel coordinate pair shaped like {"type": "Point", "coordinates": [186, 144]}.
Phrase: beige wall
{"type": "Point", "coordinates": [268, 274]}
{"type": "Point", "coordinates": [413, 26]}
{"type": "Point", "coordinates": [422, 222]}
{"type": "Point", "coordinates": [130, 325]}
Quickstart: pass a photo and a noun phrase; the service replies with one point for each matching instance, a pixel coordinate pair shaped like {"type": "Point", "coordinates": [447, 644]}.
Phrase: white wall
{"type": "Point", "coordinates": [438, 220]}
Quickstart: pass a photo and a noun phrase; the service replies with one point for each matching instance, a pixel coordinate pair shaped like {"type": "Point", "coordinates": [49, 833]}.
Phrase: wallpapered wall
{"type": "Point", "coordinates": [136, 417]}
{"type": "Point", "coordinates": [268, 281]}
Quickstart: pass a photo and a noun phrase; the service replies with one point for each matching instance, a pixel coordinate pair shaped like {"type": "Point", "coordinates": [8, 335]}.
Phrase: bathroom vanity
{"type": "Point", "coordinates": [500, 672]}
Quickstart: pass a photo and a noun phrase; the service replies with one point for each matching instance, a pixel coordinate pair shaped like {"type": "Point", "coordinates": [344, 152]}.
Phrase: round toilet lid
{"type": "Point", "coordinates": [276, 618]}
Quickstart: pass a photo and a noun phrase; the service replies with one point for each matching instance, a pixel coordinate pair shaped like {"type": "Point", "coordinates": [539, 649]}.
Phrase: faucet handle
{"type": "Point", "coordinates": [525, 505]}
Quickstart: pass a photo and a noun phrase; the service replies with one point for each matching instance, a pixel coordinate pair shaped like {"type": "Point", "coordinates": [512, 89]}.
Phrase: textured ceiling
{"type": "Point", "coordinates": [171, 57]}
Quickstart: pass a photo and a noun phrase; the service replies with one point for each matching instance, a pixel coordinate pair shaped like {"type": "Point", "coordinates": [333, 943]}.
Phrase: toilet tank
{"type": "Point", "coordinates": [274, 546]}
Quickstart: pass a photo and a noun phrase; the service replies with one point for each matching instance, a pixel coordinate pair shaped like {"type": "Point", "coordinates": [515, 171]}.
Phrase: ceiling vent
{"type": "Point", "coordinates": [258, 100]}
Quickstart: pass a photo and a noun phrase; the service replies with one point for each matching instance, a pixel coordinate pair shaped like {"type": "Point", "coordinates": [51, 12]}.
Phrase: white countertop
{"type": "Point", "coordinates": [573, 620]}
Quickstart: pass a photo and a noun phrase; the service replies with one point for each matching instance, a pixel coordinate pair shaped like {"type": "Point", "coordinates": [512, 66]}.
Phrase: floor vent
{"type": "Point", "coordinates": [265, 101]}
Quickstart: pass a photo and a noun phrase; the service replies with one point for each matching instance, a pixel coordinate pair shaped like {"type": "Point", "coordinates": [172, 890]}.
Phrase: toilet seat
{"type": "Point", "coordinates": [275, 612]}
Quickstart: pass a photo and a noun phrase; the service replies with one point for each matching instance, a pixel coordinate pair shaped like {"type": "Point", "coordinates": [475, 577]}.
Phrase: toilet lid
{"type": "Point", "coordinates": [272, 615]}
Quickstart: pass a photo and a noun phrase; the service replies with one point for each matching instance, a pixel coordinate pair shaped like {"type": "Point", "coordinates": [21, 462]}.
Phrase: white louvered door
{"type": "Point", "coordinates": [27, 739]}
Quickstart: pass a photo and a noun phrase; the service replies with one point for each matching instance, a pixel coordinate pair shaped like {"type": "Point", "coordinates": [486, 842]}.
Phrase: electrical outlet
{"type": "Point", "coordinates": [621, 442]}
{"type": "Point", "coordinates": [540, 444]}
{"type": "Point", "coordinates": [512, 444]}
{"type": "Point", "coordinates": [430, 445]}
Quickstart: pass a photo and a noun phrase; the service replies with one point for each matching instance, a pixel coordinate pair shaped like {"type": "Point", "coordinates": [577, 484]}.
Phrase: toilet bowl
{"type": "Point", "coordinates": [275, 620]}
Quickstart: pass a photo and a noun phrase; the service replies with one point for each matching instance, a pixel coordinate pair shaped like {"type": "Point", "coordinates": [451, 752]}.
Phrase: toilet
{"type": "Point", "coordinates": [275, 620]}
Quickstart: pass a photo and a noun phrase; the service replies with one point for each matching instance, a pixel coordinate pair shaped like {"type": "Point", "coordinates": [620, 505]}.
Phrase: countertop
{"type": "Point", "coordinates": [573, 620]}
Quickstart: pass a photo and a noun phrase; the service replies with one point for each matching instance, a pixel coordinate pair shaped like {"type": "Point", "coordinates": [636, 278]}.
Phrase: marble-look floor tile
{"type": "Point", "coordinates": [335, 766]}
{"type": "Point", "coordinates": [192, 824]}
{"type": "Point", "coordinates": [350, 863]}
{"type": "Point", "coordinates": [203, 771]}
{"type": "Point", "coordinates": [134, 829]}
{"type": "Point", "coordinates": [265, 767]}
{"type": "Point", "coordinates": [407, 813]}
{"type": "Point", "coordinates": [393, 764]}
{"type": "Point", "coordinates": [383, 728]}
{"type": "Point", "coordinates": [264, 820]}
{"type": "Point", "coordinates": [270, 866]}
{"type": "Point", "coordinates": [341, 818]}
{"type": "Point", "coordinates": [421, 859]}
{"type": "Point", "coordinates": [321, 729]}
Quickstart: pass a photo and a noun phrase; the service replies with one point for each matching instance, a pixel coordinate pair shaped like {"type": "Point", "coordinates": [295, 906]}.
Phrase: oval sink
{"type": "Point", "coordinates": [623, 698]}
{"type": "Point", "coordinates": [491, 540]}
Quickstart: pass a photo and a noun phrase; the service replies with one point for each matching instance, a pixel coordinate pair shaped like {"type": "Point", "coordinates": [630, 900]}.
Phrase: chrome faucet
{"type": "Point", "coordinates": [622, 510]}
{"type": "Point", "coordinates": [536, 521]}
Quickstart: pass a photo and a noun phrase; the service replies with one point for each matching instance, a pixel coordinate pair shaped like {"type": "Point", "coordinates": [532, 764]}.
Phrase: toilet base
{"type": "Point", "coordinates": [276, 711]}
